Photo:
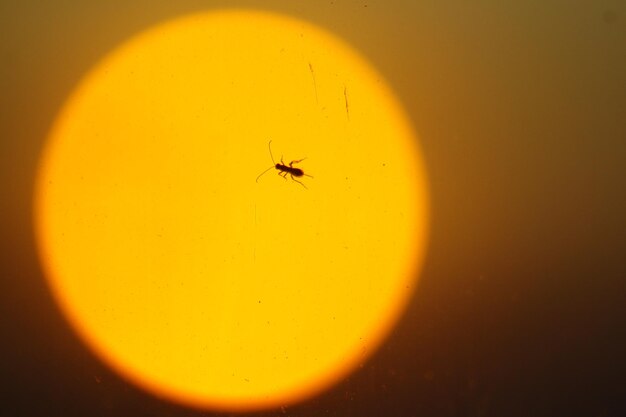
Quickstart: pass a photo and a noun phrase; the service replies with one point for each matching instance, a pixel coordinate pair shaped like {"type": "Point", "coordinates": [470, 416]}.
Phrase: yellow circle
{"type": "Point", "coordinates": [182, 271]}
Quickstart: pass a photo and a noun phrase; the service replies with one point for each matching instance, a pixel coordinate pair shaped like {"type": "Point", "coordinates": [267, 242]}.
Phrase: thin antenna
{"type": "Point", "coordinates": [269, 145]}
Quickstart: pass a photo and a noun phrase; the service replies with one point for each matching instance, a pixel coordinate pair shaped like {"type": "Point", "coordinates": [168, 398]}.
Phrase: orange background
{"type": "Point", "coordinates": [520, 108]}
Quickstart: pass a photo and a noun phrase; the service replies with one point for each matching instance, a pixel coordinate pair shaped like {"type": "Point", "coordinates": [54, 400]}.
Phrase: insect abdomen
{"type": "Point", "coordinates": [296, 172]}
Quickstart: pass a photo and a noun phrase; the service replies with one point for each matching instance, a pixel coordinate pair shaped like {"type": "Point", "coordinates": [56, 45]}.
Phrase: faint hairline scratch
{"type": "Point", "coordinates": [254, 243]}
{"type": "Point", "coordinates": [345, 96]}
{"type": "Point", "coordinates": [314, 82]}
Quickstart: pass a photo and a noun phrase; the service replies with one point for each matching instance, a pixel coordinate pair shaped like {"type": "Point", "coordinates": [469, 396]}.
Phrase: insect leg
{"type": "Point", "coordinates": [296, 161]}
{"type": "Point", "coordinates": [298, 182]}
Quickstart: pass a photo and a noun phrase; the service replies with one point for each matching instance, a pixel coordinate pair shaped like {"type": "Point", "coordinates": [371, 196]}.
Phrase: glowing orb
{"type": "Point", "coordinates": [182, 272]}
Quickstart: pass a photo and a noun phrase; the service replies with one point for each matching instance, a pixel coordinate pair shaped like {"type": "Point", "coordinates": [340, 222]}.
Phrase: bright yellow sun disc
{"type": "Point", "coordinates": [183, 272]}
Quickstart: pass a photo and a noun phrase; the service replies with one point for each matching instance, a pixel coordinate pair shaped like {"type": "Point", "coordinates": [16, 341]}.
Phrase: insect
{"type": "Point", "coordinates": [285, 169]}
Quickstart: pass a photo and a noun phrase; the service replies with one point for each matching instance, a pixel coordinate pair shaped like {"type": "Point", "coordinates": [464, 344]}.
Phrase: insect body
{"type": "Point", "coordinates": [285, 169]}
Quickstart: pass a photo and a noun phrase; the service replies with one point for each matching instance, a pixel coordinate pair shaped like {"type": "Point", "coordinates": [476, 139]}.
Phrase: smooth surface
{"type": "Point", "coordinates": [182, 271]}
{"type": "Point", "coordinates": [519, 108]}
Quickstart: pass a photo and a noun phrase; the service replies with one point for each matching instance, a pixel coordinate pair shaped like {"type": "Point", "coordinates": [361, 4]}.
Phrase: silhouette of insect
{"type": "Point", "coordinates": [285, 169]}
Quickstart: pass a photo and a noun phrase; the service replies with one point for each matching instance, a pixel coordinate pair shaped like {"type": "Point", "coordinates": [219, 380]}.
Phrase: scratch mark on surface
{"type": "Point", "coordinates": [314, 82]}
{"type": "Point", "coordinates": [254, 243]}
{"type": "Point", "coordinates": [345, 96]}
